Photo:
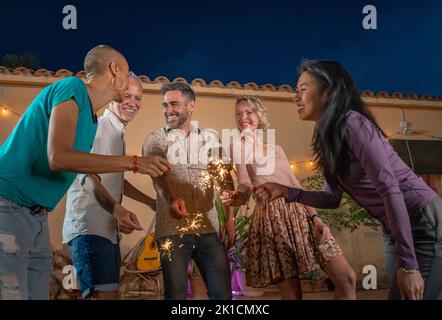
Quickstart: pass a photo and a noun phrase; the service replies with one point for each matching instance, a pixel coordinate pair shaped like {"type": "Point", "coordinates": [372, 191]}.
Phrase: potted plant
{"type": "Point", "coordinates": [197, 289]}
{"type": "Point", "coordinates": [237, 254]}
{"type": "Point", "coordinates": [315, 281]}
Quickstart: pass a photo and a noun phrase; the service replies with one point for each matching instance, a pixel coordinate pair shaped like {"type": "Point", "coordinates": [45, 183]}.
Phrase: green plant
{"type": "Point", "coordinates": [348, 216]}
{"type": "Point", "coordinates": [315, 276]}
{"type": "Point", "coordinates": [237, 253]}
{"type": "Point", "coordinates": [192, 270]}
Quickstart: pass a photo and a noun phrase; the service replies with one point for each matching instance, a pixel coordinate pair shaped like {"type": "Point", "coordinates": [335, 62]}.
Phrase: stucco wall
{"type": "Point", "coordinates": [215, 107]}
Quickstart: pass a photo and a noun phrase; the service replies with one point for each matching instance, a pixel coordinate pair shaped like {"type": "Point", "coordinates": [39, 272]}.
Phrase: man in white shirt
{"type": "Point", "coordinates": [89, 228]}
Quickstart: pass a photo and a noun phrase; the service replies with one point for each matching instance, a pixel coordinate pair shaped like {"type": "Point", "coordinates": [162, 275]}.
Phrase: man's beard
{"type": "Point", "coordinates": [181, 120]}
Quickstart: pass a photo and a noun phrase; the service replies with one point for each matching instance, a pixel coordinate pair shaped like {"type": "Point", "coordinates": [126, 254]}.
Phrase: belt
{"type": "Point", "coordinates": [38, 211]}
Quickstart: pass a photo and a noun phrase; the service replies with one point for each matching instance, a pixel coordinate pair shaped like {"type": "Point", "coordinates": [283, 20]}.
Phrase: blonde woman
{"type": "Point", "coordinates": [286, 240]}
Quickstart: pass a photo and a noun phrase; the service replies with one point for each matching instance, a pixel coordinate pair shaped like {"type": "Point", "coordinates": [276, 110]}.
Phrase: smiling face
{"type": "Point", "coordinates": [310, 97]}
{"type": "Point", "coordinates": [131, 104]}
{"type": "Point", "coordinates": [246, 117]}
{"type": "Point", "coordinates": [177, 109]}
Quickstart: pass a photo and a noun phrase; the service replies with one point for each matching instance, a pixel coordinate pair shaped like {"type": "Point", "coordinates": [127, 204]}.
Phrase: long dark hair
{"type": "Point", "coordinates": [330, 135]}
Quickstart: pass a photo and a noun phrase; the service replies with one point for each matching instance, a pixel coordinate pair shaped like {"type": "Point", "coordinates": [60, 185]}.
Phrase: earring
{"type": "Point", "coordinates": [113, 84]}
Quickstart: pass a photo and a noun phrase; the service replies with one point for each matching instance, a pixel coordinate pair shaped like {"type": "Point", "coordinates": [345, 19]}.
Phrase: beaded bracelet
{"type": "Point", "coordinates": [410, 271]}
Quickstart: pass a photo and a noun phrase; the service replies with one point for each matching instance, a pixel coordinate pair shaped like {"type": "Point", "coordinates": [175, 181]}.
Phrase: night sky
{"type": "Point", "coordinates": [246, 41]}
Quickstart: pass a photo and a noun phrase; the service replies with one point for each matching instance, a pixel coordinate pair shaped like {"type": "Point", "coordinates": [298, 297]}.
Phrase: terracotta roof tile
{"type": "Point", "coordinates": [214, 84]}
{"type": "Point", "coordinates": [145, 79]}
{"type": "Point", "coordinates": [234, 85]}
{"type": "Point", "coordinates": [199, 82]}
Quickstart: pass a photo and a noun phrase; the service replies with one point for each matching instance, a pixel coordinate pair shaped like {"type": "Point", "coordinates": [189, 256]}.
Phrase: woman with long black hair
{"type": "Point", "coordinates": [354, 156]}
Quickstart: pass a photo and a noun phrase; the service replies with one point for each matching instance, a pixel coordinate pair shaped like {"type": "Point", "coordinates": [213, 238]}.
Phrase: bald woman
{"type": "Point", "coordinates": [40, 159]}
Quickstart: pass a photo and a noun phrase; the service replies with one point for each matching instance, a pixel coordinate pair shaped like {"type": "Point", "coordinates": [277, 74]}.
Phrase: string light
{"type": "Point", "coordinates": [294, 165]}
{"type": "Point", "coordinates": [6, 110]}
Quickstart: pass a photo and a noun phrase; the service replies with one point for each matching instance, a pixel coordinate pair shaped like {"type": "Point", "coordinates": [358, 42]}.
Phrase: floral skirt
{"type": "Point", "coordinates": [281, 244]}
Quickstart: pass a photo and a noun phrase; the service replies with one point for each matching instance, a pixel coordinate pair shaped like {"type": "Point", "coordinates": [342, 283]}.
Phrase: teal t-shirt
{"type": "Point", "coordinates": [25, 176]}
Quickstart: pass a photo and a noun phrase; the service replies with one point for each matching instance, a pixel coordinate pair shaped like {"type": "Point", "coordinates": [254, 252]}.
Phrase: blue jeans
{"type": "Point", "coordinates": [209, 254]}
{"type": "Point", "coordinates": [25, 254]}
{"type": "Point", "coordinates": [97, 263]}
{"type": "Point", "coordinates": [426, 228]}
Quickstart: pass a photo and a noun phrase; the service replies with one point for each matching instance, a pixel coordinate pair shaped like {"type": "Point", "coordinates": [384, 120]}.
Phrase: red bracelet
{"type": "Point", "coordinates": [134, 164]}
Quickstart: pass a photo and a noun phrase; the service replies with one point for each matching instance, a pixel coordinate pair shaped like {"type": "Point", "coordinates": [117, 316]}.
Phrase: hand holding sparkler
{"type": "Point", "coordinates": [270, 191]}
{"type": "Point", "coordinates": [154, 166]}
{"type": "Point", "coordinates": [234, 198]}
{"type": "Point", "coordinates": [178, 209]}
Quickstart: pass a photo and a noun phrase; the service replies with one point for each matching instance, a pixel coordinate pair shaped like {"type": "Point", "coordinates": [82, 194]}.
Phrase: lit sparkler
{"type": "Point", "coordinates": [217, 171]}
{"type": "Point", "coordinates": [167, 248]}
{"type": "Point", "coordinates": [205, 181]}
{"type": "Point", "coordinates": [193, 224]}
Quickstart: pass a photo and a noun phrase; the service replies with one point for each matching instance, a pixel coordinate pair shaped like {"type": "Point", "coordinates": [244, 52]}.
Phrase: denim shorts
{"type": "Point", "coordinates": [25, 253]}
{"type": "Point", "coordinates": [97, 263]}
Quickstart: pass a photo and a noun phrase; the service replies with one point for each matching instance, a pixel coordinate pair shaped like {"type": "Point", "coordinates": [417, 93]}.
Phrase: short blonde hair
{"type": "Point", "coordinates": [258, 107]}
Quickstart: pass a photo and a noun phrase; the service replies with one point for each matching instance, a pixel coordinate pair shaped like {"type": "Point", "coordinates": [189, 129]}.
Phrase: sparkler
{"type": "Point", "coordinates": [193, 224]}
{"type": "Point", "coordinates": [217, 171]}
{"type": "Point", "coordinates": [205, 181]}
{"type": "Point", "coordinates": [167, 248]}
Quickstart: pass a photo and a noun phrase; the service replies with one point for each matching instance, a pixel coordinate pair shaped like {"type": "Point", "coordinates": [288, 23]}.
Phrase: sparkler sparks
{"type": "Point", "coordinates": [217, 171]}
{"type": "Point", "coordinates": [167, 248]}
{"type": "Point", "coordinates": [205, 182]}
{"type": "Point", "coordinates": [193, 224]}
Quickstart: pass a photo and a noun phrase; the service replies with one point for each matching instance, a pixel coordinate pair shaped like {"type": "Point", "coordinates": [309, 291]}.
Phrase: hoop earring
{"type": "Point", "coordinates": [113, 84]}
